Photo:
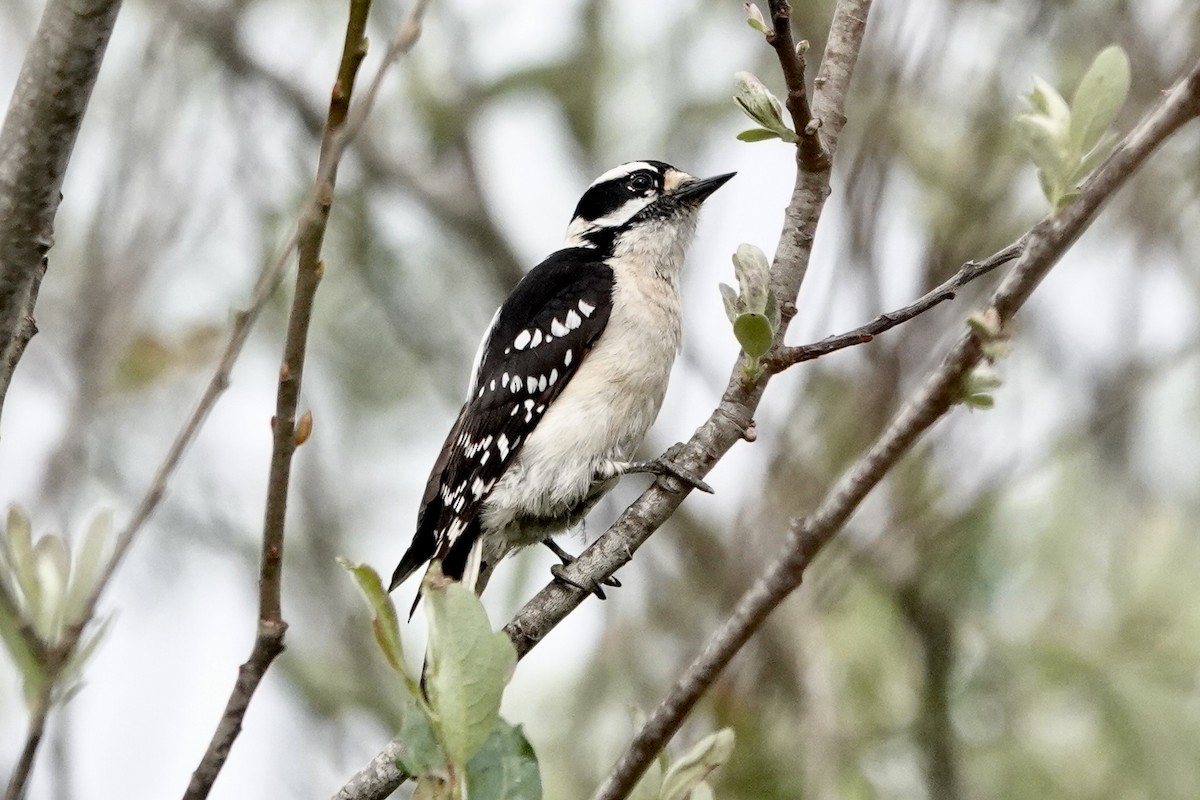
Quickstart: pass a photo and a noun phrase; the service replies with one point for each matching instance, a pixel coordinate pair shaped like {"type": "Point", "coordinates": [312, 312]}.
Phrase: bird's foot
{"type": "Point", "coordinates": [557, 571]}
{"type": "Point", "coordinates": [665, 465]}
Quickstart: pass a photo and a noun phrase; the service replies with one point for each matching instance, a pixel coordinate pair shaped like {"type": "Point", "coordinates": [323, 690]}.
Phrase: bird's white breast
{"type": "Point", "coordinates": [605, 411]}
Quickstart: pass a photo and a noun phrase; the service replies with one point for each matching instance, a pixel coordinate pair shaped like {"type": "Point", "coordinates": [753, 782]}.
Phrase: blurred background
{"type": "Point", "coordinates": [1013, 614]}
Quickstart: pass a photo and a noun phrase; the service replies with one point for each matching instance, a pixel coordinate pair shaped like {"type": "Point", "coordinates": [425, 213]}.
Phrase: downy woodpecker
{"type": "Point", "coordinates": [568, 378]}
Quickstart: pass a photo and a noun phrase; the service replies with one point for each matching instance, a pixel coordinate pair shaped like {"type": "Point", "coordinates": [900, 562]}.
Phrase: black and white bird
{"type": "Point", "coordinates": [568, 378]}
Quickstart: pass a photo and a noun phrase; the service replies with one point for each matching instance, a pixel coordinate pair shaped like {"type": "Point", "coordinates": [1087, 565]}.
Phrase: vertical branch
{"type": "Point", "coordinates": [812, 155]}
{"type": "Point", "coordinates": [268, 644]}
{"type": "Point", "coordinates": [36, 142]}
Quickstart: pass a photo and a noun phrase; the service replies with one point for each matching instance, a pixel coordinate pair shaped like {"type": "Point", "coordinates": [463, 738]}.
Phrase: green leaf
{"type": "Point", "coordinates": [983, 402]}
{"type": "Point", "coordinates": [469, 665]}
{"type": "Point", "coordinates": [1094, 156]}
{"type": "Point", "coordinates": [505, 768]}
{"type": "Point", "coordinates": [689, 771]}
{"type": "Point", "coordinates": [754, 334]}
{"type": "Point", "coordinates": [90, 559]}
{"type": "Point", "coordinates": [422, 754]}
{"type": "Point", "coordinates": [758, 135]}
{"type": "Point", "coordinates": [754, 274]}
{"type": "Point", "coordinates": [1047, 144]}
{"type": "Point", "coordinates": [733, 304]}
{"type": "Point", "coordinates": [1098, 98]}
{"type": "Point", "coordinates": [385, 622]}
{"type": "Point", "coordinates": [20, 557]}
{"type": "Point", "coordinates": [1047, 102]}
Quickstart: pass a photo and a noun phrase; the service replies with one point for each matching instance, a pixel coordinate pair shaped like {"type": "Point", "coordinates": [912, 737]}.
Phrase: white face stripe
{"type": "Point", "coordinates": [622, 171]}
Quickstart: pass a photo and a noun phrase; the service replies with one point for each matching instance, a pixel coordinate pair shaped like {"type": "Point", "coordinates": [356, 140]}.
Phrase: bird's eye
{"type": "Point", "coordinates": [641, 182]}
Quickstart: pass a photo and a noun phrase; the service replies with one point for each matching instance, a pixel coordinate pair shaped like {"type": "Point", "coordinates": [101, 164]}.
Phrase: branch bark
{"type": "Point", "coordinates": [310, 236]}
{"type": "Point", "coordinates": [36, 141]}
{"type": "Point", "coordinates": [1046, 243]}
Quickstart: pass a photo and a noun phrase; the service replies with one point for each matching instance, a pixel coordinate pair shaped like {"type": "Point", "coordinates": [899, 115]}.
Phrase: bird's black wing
{"type": "Point", "coordinates": [540, 336]}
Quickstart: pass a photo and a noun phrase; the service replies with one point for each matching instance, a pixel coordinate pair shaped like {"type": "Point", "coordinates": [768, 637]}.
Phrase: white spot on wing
{"type": "Point", "coordinates": [573, 320]}
{"type": "Point", "coordinates": [502, 446]}
{"type": "Point", "coordinates": [586, 307]}
{"type": "Point", "coordinates": [542, 383]}
{"type": "Point", "coordinates": [567, 358]}
{"type": "Point", "coordinates": [553, 376]}
{"type": "Point", "coordinates": [557, 328]}
{"type": "Point", "coordinates": [522, 340]}
{"type": "Point", "coordinates": [537, 339]}
{"type": "Point", "coordinates": [531, 384]}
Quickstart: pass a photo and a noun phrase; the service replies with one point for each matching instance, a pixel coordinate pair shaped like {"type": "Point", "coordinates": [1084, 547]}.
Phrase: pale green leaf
{"type": "Point", "coordinates": [1098, 98]}
{"type": "Point", "coordinates": [758, 135]}
{"type": "Point", "coordinates": [90, 559]}
{"type": "Point", "coordinates": [983, 402]}
{"type": "Point", "coordinates": [20, 556]}
{"type": "Point", "coordinates": [1047, 102]}
{"type": "Point", "coordinates": [754, 334]}
{"type": "Point", "coordinates": [697, 764]}
{"type": "Point", "coordinates": [422, 755]}
{"type": "Point", "coordinates": [52, 561]}
{"type": "Point", "coordinates": [754, 275]}
{"type": "Point", "coordinates": [469, 665]}
{"type": "Point", "coordinates": [505, 767]}
{"type": "Point", "coordinates": [1047, 145]}
{"type": "Point", "coordinates": [733, 304]}
{"type": "Point", "coordinates": [1094, 156]}
{"type": "Point", "coordinates": [385, 622]}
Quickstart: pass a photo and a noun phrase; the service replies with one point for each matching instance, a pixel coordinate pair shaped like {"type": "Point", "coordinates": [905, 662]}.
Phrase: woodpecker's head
{"type": "Point", "coordinates": [638, 200]}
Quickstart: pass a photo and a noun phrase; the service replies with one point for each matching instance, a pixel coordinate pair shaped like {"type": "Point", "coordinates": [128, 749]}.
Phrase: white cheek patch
{"type": "Point", "coordinates": [623, 214]}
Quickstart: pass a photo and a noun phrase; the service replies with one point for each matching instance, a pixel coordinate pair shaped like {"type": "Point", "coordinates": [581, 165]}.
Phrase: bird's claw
{"type": "Point", "coordinates": [665, 465]}
{"type": "Point", "coordinates": [557, 571]}
{"type": "Point", "coordinates": [595, 588]}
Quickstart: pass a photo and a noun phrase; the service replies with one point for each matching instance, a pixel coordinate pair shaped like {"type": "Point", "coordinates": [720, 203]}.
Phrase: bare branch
{"type": "Point", "coordinates": [1046, 243]}
{"type": "Point", "coordinates": [310, 235]}
{"type": "Point", "coordinates": [36, 142]}
{"type": "Point", "coordinates": [784, 357]}
{"type": "Point", "coordinates": [792, 64]}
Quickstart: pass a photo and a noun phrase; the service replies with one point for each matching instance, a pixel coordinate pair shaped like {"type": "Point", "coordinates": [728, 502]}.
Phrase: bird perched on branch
{"type": "Point", "coordinates": [567, 380]}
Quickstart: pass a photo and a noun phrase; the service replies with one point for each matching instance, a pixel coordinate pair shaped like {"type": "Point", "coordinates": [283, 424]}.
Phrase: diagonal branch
{"type": "Point", "coordinates": [784, 357]}
{"type": "Point", "coordinates": [1046, 243]}
{"type": "Point", "coordinates": [36, 142]}
{"type": "Point", "coordinates": [268, 644]}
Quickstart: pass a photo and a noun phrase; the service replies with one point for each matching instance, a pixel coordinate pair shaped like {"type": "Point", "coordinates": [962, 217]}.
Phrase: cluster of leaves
{"type": "Point", "coordinates": [46, 593]}
{"type": "Point", "coordinates": [1067, 142]}
{"type": "Point", "coordinates": [756, 100]}
{"type": "Point", "coordinates": [457, 745]}
{"type": "Point", "coordinates": [754, 311]}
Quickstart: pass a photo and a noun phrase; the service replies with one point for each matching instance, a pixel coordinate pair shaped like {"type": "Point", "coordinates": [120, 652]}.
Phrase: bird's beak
{"type": "Point", "coordinates": [698, 191]}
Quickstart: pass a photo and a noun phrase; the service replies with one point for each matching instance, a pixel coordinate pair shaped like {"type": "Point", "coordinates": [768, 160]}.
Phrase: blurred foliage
{"type": "Point", "coordinates": [1012, 615]}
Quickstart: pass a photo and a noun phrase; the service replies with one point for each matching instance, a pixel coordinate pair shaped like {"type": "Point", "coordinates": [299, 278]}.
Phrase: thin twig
{"type": "Point", "coordinates": [792, 65]}
{"type": "Point", "coordinates": [1046, 243]}
{"type": "Point", "coordinates": [268, 643]}
{"type": "Point", "coordinates": [19, 781]}
{"type": "Point", "coordinates": [784, 357]}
